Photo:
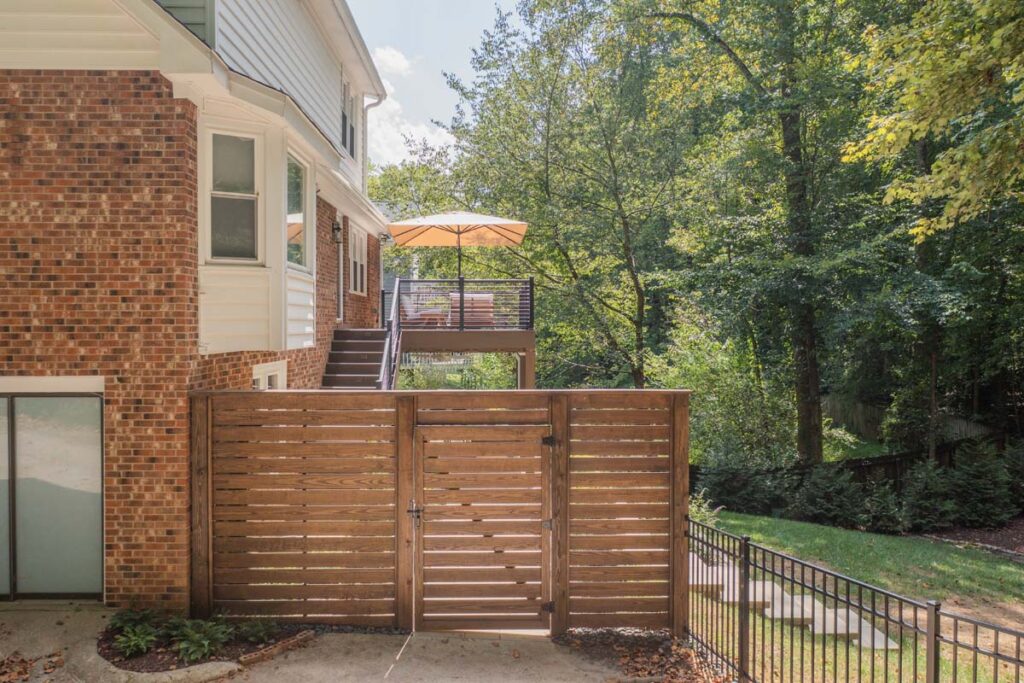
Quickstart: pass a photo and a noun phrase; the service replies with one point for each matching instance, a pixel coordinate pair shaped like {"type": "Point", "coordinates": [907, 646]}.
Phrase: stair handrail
{"type": "Point", "coordinates": [388, 362]}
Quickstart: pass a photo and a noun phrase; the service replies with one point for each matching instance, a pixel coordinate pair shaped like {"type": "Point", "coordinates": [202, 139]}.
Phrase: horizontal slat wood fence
{"type": "Point", "coordinates": [560, 508]}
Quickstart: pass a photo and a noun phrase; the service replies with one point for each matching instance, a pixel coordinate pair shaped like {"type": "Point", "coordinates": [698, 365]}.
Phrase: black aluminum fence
{"type": "Point", "coordinates": [463, 304]}
{"type": "Point", "coordinates": [760, 615]}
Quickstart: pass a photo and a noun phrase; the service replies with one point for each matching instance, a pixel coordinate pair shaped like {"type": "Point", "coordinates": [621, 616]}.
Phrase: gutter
{"type": "Point", "coordinates": [366, 126]}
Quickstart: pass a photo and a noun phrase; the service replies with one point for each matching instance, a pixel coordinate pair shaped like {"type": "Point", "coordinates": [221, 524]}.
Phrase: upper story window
{"type": "Point", "coordinates": [297, 234]}
{"type": "Point", "coordinates": [348, 119]}
{"type": "Point", "coordinates": [357, 260]}
{"type": "Point", "coordinates": [234, 199]}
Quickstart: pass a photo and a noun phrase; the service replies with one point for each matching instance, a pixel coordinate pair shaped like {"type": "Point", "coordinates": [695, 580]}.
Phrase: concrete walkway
{"type": "Point", "coordinates": [482, 658]}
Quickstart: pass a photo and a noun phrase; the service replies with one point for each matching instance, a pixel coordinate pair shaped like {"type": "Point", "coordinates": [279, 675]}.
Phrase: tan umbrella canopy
{"type": "Point", "coordinates": [457, 230]}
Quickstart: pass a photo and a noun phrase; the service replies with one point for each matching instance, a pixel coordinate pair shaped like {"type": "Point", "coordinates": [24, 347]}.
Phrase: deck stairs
{"type": "Point", "coordinates": [355, 359]}
{"type": "Point", "coordinates": [722, 582]}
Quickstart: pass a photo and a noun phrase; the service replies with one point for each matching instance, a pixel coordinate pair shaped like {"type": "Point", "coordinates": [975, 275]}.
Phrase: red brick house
{"type": "Point", "coordinates": [182, 207]}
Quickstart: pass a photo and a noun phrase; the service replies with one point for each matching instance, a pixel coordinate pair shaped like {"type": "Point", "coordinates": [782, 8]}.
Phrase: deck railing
{"type": "Point", "coordinates": [462, 304]}
{"type": "Point", "coordinates": [760, 615]}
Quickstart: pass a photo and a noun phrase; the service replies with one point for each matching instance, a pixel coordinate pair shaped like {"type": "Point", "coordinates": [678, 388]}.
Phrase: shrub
{"type": "Point", "coordinates": [257, 631]}
{"type": "Point", "coordinates": [745, 488]}
{"type": "Point", "coordinates": [1015, 468]}
{"type": "Point", "coordinates": [135, 639]}
{"type": "Point", "coordinates": [124, 618]}
{"type": "Point", "coordinates": [195, 639]}
{"type": "Point", "coordinates": [927, 505]}
{"type": "Point", "coordinates": [701, 510]}
{"type": "Point", "coordinates": [882, 513]}
{"type": "Point", "coordinates": [828, 495]}
{"type": "Point", "coordinates": [981, 487]}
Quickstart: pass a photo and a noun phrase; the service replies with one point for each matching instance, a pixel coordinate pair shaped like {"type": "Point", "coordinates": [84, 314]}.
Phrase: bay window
{"type": "Point", "coordinates": [357, 260]}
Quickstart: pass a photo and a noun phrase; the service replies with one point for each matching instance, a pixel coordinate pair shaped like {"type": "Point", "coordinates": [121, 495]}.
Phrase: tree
{"type": "Point", "coordinates": [953, 76]}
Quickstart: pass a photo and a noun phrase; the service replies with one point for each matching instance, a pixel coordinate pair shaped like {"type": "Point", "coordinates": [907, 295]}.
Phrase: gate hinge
{"type": "Point", "coordinates": [548, 440]}
{"type": "Point", "coordinates": [547, 524]}
{"type": "Point", "coordinates": [547, 607]}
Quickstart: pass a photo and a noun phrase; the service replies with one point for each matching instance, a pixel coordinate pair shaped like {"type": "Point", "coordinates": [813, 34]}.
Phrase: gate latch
{"type": "Point", "coordinates": [548, 440]}
{"type": "Point", "coordinates": [547, 607]}
{"type": "Point", "coordinates": [416, 512]}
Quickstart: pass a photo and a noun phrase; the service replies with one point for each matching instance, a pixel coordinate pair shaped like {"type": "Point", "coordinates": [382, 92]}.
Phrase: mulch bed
{"type": "Point", "coordinates": [1010, 537]}
{"type": "Point", "coordinates": [164, 658]}
{"type": "Point", "coordinates": [640, 655]}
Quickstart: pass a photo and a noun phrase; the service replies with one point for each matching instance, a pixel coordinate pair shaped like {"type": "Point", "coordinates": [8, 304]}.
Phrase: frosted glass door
{"type": "Point", "coordinates": [5, 502]}
{"type": "Point", "coordinates": [58, 482]}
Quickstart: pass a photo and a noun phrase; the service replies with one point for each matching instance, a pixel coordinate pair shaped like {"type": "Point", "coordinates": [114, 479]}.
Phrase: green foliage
{"type": "Point", "coordinates": [257, 631]}
{"type": "Point", "coordinates": [828, 495]}
{"type": "Point", "coordinates": [126, 618]}
{"type": "Point", "coordinates": [741, 487]}
{"type": "Point", "coordinates": [882, 511]}
{"type": "Point", "coordinates": [981, 487]}
{"type": "Point", "coordinates": [1015, 469]}
{"type": "Point", "coordinates": [196, 639]}
{"type": "Point", "coordinates": [701, 510]}
{"type": "Point", "coordinates": [135, 639]}
{"type": "Point", "coordinates": [927, 498]}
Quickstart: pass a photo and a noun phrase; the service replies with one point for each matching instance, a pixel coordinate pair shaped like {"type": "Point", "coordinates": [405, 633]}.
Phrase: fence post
{"type": "Point", "coordinates": [201, 565]}
{"type": "Point", "coordinates": [932, 647]}
{"type": "Point", "coordinates": [744, 615]}
{"type": "Point", "coordinates": [462, 303]}
{"type": "Point", "coordinates": [560, 513]}
{"type": "Point", "coordinates": [680, 542]}
{"type": "Point", "coordinates": [405, 427]}
{"type": "Point", "coordinates": [532, 309]}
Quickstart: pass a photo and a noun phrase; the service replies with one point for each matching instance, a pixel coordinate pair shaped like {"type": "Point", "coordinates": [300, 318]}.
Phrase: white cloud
{"type": "Point", "coordinates": [390, 126]}
{"type": "Point", "coordinates": [392, 62]}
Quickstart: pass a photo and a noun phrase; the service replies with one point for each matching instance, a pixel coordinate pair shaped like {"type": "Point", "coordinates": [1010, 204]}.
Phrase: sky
{"type": "Point", "coordinates": [414, 42]}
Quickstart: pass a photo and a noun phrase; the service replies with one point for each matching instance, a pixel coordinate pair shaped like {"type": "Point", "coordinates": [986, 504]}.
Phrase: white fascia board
{"type": "Point", "coordinates": [336, 189]}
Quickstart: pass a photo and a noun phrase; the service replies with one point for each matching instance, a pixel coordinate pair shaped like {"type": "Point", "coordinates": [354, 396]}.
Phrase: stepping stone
{"type": "Point", "coordinates": [841, 623]}
{"type": "Point", "coordinates": [796, 609]}
{"type": "Point", "coordinates": [871, 638]}
{"type": "Point", "coordinates": [761, 593]}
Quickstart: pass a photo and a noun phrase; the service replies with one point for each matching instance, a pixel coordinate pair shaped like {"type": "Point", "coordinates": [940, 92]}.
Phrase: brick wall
{"type": "Point", "coordinates": [363, 311]}
{"type": "Point", "coordinates": [98, 241]}
{"type": "Point", "coordinates": [305, 366]}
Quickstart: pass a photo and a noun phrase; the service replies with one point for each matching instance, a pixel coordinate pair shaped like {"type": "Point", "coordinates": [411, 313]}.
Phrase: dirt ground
{"type": "Point", "coordinates": [1010, 537]}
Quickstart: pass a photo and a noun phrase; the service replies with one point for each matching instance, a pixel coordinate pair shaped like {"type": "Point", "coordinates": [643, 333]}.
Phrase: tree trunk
{"type": "Point", "coordinates": [809, 442]}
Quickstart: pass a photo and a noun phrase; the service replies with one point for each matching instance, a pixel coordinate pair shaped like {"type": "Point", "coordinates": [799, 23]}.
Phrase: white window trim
{"type": "Point", "coordinates": [206, 192]}
{"type": "Point", "coordinates": [309, 217]}
{"type": "Point", "coordinates": [262, 374]}
{"type": "Point", "coordinates": [354, 230]}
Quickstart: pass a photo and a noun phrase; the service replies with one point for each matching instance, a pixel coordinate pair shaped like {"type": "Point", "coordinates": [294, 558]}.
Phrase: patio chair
{"type": "Point", "coordinates": [414, 316]}
{"type": "Point", "coordinates": [479, 311]}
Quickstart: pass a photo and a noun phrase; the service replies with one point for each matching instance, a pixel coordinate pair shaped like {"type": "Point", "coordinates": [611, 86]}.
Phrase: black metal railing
{"type": "Point", "coordinates": [760, 615]}
{"type": "Point", "coordinates": [462, 304]}
{"type": "Point", "coordinates": [392, 343]}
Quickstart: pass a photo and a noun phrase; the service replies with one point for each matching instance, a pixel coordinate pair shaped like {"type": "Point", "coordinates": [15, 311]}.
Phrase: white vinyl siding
{"type": "Point", "coordinates": [301, 311]}
{"type": "Point", "coordinates": [233, 310]}
{"type": "Point", "coordinates": [278, 43]}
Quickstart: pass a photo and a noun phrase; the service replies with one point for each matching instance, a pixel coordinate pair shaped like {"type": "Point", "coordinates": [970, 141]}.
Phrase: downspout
{"type": "Point", "coordinates": [366, 125]}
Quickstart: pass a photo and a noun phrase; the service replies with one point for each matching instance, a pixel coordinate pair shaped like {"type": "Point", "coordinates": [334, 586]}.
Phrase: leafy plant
{"type": "Point", "coordinates": [125, 618]}
{"type": "Point", "coordinates": [882, 511]}
{"type": "Point", "coordinates": [743, 487]}
{"type": "Point", "coordinates": [926, 498]}
{"type": "Point", "coordinates": [1015, 469]}
{"type": "Point", "coordinates": [196, 639]}
{"type": "Point", "coordinates": [257, 631]}
{"type": "Point", "coordinates": [135, 639]}
{"type": "Point", "coordinates": [701, 510]}
{"type": "Point", "coordinates": [828, 495]}
{"type": "Point", "coordinates": [981, 487]}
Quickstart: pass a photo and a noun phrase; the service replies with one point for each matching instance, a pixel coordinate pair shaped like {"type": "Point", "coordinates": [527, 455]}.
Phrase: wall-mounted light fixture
{"type": "Point", "coordinates": [336, 232]}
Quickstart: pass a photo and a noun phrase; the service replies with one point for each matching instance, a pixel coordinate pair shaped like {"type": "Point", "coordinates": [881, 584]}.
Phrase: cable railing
{"type": "Point", "coordinates": [760, 615]}
{"type": "Point", "coordinates": [392, 343]}
{"type": "Point", "coordinates": [462, 304]}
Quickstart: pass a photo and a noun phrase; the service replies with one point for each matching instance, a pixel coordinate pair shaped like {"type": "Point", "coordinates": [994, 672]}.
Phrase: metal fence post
{"type": "Point", "coordinates": [744, 615]}
{"type": "Point", "coordinates": [462, 303]}
{"type": "Point", "coordinates": [932, 644]}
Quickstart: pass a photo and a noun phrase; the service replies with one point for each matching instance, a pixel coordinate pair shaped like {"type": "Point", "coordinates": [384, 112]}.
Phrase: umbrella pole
{"type": "Point", "coordinates": [458, 240]}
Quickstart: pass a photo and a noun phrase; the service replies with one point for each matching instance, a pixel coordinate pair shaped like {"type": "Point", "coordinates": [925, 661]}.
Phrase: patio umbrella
{"type": "Point", "coordinates": [458, 230]}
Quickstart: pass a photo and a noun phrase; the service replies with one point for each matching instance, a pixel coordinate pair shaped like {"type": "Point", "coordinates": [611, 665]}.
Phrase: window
{"type": "Point", "coordinates": [270, 376]}
{"type": "Point", "coordinates": [296, 221]}
{"type": "Point", "coordinates": [233, 199]}
{"type": "Point", "coordinates": [357, 260]}
{"type": "Point", "coordinates": [348, 120]}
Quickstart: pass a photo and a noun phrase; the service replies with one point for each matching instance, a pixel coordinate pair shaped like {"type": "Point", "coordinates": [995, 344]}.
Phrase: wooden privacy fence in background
{"type": "Point", "coordinates": [439, 510]}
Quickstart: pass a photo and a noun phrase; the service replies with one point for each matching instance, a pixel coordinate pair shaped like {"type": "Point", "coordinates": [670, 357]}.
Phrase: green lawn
{"type": "Point", "coordinates": [914, 567]}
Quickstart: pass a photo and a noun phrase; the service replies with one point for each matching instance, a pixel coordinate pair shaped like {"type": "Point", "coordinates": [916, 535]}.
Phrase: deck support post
{"type": "Point", "coordinates": [527, 369]}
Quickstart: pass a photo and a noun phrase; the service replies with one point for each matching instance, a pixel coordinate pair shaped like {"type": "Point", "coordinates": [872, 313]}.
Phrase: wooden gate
{"type": "Point", "coordinates": [482, 515]}
{"type": "Point", "coordinates": [441, 510]}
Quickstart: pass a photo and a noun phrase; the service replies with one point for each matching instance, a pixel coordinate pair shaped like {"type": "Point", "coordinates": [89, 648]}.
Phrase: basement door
{"type": "Point", "coordinates": [482, 540]}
